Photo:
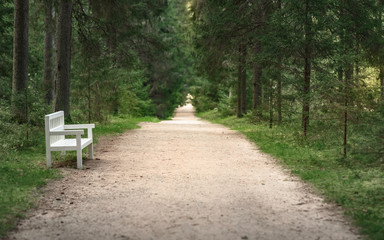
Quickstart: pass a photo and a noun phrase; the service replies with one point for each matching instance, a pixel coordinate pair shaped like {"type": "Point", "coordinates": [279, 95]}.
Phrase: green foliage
{"type": "Point", "coordinates": [358, 188]}
{"type": "Point", "coordinates": [134, 97]}
{"type": "Point", "coordinates": [227, 104]}
{"type": "Point", "coordinates": [336, 42]}
{"type": "Point", "coordinates": [368, 140]}
{"type": "Point", "coordinates": [204, 95]}
{"type": "Point", "coordinates": [12, 136]}
{"type": "Point", "coordinates": [109, 90]}
{"type": "Point", "coordinates": [203, 103]}
{"type": "Point", "coordinates": [129, 58]}
{"type": "Point", "coordinates": [6, 43]}
{"type": "Point", "coordinates": [168, 62]}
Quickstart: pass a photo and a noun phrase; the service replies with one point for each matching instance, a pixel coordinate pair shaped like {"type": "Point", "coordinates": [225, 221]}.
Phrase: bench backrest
{"type": "Point", "coordinates": [54, 120]}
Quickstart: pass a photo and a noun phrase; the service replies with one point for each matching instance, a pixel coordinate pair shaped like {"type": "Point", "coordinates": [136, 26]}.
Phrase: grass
{"type": "Point", "coordinates": [358, 188]}
{"type": "Point", "coordinates": [23, 171]}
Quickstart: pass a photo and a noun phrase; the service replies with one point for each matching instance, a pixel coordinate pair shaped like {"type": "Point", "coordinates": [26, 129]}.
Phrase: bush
{"type": "Point", "coordinates": [227, 104]}
{"type": "Point", "coordinates": [367, 141]}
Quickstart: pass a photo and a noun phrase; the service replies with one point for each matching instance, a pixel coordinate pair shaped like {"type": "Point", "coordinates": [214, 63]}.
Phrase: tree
{"type": "Point", "coordinates": [257, 84]}
{"type": "Point", "coordinates": [63, 62]}
{"type": "Point", "coordinates": [223, 40]}
{"type": "Point", "coordinates": [307, 67]}
{"type": "Point", "coordinates": [48, 76]}
{"type": "Point", "coordinates": [242, 81]}
{"type": "Point", "coordinates": [20, 61]}
{"type": "Point", "coordinates": [279, 78]}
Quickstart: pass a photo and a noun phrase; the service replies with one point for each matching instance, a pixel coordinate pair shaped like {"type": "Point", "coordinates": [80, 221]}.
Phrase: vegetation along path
{"type": "Point", "coordinates": [182, 179]}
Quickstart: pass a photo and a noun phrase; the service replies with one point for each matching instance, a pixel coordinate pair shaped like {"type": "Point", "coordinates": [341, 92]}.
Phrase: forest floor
{"type": "Point", "coordinates": [182, 179]}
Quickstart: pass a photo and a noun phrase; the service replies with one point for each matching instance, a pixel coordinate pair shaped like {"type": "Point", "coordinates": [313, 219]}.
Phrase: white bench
{"type": "Point", "coordinates": [55, 140]}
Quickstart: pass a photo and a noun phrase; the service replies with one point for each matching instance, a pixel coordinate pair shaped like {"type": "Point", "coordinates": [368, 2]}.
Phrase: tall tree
{"type": "Point", "coordinates": [242, 81]}
{"type": "Point", "coordinates": [63, 61]}
{"type": "Point", "coordinates": [20, 61]}
{"type": "Point", "coordinates": [48, 76]}
{"type": "Point", "coordinates": [257, 84]}
{"type": "Point", "coordinates": [261, 11]}
{"type": "Point", "coordinates": [279, 78]}
{"type": "Point", "coordinates": [307, 67]}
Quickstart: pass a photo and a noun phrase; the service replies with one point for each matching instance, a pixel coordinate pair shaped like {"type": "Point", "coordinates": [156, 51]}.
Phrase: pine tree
{"type": "Point", "coordinates": [48, 76]}
{"type": "Point", "coordinates": [20, 62]}
{"type": "Point", "coordinates": [63, 62]}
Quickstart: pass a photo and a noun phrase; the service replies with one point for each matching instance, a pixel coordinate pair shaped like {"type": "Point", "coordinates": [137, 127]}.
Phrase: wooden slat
{"type": "Point", "coordinates": [70, 144]}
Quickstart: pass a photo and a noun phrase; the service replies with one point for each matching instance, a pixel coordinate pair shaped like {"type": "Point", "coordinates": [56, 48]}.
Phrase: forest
{"type": "Point", "coordinates": [306, 75]}
{"type": "Point", "coordinates": [317, 62]}
{"type": "Point", "coordinates": [89, 58]}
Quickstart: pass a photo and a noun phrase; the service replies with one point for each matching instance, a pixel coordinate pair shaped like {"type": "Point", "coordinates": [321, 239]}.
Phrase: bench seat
{"type": "Point", "coordinates": [69, 144]}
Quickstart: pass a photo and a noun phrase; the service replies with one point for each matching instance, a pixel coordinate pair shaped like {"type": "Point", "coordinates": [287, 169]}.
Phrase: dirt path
{"type": "Point", "coordinates": [181, 179]}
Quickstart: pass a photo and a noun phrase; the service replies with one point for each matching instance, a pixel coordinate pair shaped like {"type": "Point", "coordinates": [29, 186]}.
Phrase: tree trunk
{"type": "Point", "coordinates": [48, 77]}
{"type": "Point", "coordinates": [241, 82]}
{"type": "Point", "coordinates": [64, 28]}
{"type": "Point", "coordinates": [243, 73]}
{"type": "Point", "coordinates": [347, 91]}
{"type": "Point", "coordinates": [239, 94]}
{"type": "Point", "coordinates": [381, 68]}
{"type": "Point", "coordinates": [89, 91]}
{"type": "Point", "coordinates": [348, 78]}
{"type": "Point", "coordinates": [279, 94]}
{"type": "Point", "coordinates": [270, 98]}
{"type": "Point", "coordinates": [307, 71]}
{"type": "Point", "coordinates": [20, 61]}
{"type": "Point", "coordinates": [381, 77]}
{"type": "Point", "coordinates": [257, 86]}
{"type": "Point", "coordinates": [112, 46]}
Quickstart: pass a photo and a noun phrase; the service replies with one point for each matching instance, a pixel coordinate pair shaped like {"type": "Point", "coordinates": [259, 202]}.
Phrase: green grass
{"type": "Point", "coordinates": [358, 188]}
{"type": "Point", "coordinates": [120, 124]}
{"type": "Point", "coordinates": [23, 171]}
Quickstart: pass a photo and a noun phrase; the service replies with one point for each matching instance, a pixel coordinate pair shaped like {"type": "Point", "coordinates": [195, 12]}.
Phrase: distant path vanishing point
{"type": "Point", "coordinates": [181, 179]}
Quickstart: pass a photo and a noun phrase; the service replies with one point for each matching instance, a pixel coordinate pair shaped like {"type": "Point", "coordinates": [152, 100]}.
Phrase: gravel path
{"type": "Point", "coordinates": [181, 179]}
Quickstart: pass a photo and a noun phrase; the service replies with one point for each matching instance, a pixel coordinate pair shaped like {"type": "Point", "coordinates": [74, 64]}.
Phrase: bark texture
{"type": "Point", "coordinates": [307, 70]}
{"type": "Point", "coordinates": [20, 61]}
{"type": "Point", "coordinates": [279, 99]}
{"type": "Point", "coordinates": [242, 86]}
{"type": "Point", "coordinates": [48, 77]}
{"type": "Point", "coordinates": [64, 29]}
{"type": "Point", "coordinates": [381, 77]}
{"type": "Point", "coordinates": [257, 85]}
{"type": "Point", "coordinates": [347, 89]}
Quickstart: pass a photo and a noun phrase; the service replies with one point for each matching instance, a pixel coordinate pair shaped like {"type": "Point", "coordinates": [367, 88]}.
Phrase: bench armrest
{"type": "Point", "coordinates": [66, 132]}
{"type": "Point", "coordinates": [82, 126]}
{"type": "Point", "coordinates": [79, 126]}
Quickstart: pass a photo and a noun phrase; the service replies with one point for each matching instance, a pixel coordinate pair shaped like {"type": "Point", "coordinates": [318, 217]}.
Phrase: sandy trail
{"type": "Point", "coordinates": [181, 179]}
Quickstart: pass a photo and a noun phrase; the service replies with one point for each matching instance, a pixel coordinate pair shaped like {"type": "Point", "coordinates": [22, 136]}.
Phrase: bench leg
{"type": "Point", "coordinates": [79, 159]}
{"type": "Point", "coordinates": [90, 151]}
{"type": "Point", "coordinates": [79, 152]}
{"type": "Point", "coordinates": [49, 161]}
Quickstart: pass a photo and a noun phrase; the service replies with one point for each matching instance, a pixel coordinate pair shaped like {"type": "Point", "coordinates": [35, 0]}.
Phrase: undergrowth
{"type": "Point", "coordinates": [318, 159]}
